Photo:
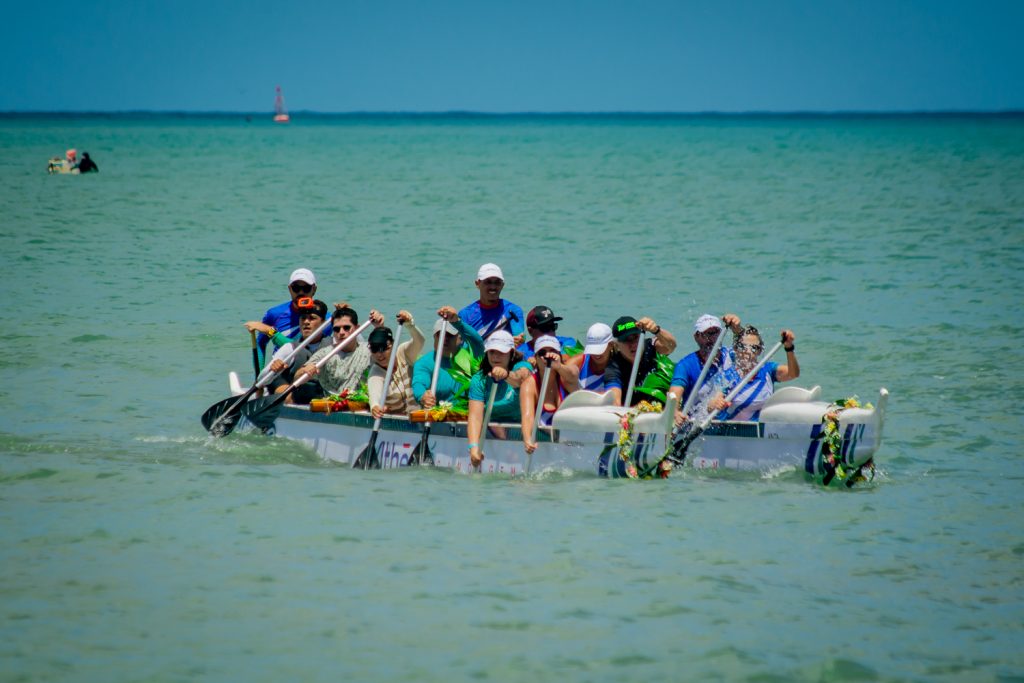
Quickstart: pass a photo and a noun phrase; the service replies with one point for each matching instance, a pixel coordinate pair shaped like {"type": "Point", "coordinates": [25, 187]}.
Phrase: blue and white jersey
{"type": "Point", "coordinates": [504, 316]}
{"type": "Point", "coordinates": [721, 376]}
{"type": "Point", "coordinates": [589, 379]}
{"type": "Point", "coordinates": [283, 318]}
{"type": "Point", "coordinates": [748, 403]}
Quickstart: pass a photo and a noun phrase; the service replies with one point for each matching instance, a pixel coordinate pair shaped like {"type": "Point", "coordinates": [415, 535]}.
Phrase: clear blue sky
{"type": "Point", "coordinates": [522, 55]}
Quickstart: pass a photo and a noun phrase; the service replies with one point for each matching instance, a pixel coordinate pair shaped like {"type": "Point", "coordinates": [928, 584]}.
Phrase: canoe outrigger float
{"type": "Point", "coordinates": [587, 435]}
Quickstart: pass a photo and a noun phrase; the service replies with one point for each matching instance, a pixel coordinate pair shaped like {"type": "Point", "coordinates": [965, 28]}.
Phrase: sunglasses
{"type": "Point", "coordinates": [546, 328]}
{"type": "Point", "coordinates": [756, 348]}
{"type": "Point", "coordinates": [301, 288]}
{"type": "Point", "coordinates": [378, 348]}
{"type": "Point", "coordinates": [339, 328]}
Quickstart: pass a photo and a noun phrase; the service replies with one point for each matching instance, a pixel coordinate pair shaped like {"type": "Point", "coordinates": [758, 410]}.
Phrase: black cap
{"type": "Point", "coordinates": [540, 316]}
{"type": "Point", "coordinates": [625, 327]}
{"type": "Point", "coordinates": [380, 337]}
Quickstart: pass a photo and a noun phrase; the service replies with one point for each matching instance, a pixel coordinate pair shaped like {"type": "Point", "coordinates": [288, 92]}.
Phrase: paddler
{"type": "Point", "coordinates": [344, 370]}
{"type": "Point", "coordinates": [87, 165]}
{"type": "Point", "coordinates": [280, 324]}
{"type": "Point", "coordinates": [564, 378]}
{"type": "Point", "coordinates": [626, 331]}
{"type": "Point", "coordinates": [398, 399]}
{"type": "Point", "coordinates": [490, 312]}
{"type": "Point", "coordinates": [458, 336]}
{"type": "Point", "coordinates": [594, 359]}
{"type": "Point", "coordinates": [747, 349]}
{"type": "Point", "coordinates": [541, 321]}
{"type": "Point", "coordinates": [312, 314]}
{"type": "Point", "coordinates": [722, 372]}
{"type": "Point", "coordinates": [505, 366]}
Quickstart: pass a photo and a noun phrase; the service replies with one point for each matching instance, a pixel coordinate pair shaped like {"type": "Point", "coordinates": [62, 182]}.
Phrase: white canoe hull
{"type": "Point", "coordinates": [585, 439]}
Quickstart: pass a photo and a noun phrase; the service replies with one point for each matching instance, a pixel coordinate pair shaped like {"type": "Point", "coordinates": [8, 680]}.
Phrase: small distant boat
{"type": "Point", "coordinates": [280, 113]}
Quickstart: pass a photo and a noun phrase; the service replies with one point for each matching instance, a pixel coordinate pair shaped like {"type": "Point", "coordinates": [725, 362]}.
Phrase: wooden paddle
{"type": "Point", "coordinates": [368, 458]}
{"type": "Point", "coordinates": [423, 451]}
{"type": "Point", "coordinates": [262, 412]}
{"type": "Point", "coordinates": [255, 356]}
{"type": "Point", "coordinates": [220, 418]}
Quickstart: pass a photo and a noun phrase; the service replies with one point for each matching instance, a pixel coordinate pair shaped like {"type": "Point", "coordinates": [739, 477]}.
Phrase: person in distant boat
{"type": "Point", "coordinates": [563, 380]}
{"type": "Point", "coordinates": [592, 363]}
{"type": "Point", "coordinates": [312, 314]}
{"type": "Point", "coordinates": [747, 348]}
{"type": "Point", "coordinates": [542, 321]}
{"type": "Point", "coordinates": [626, 332]}
{"type": "Point", "coordinates": [280, 324]}
{"type": "Point", "coordinates": [87, 165]}
{"type": "Point", "coordinates": [70, 160]}
{"type": "Point", "coordinates": [490, 312]}
{"type": "Point", "coordinates": [346, 369]}
{"type": "Point", "coordinates": [722, 371]}
{"type": "Point", "coordinates": [398, 399]}
{"type": "Point", "coordinates": [504, 365]}
{"type": "Point", "coordinates": [458, 335]}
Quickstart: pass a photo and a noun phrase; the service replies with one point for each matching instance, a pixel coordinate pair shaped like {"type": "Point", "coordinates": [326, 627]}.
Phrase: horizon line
{"type": "Point", "coordinates": [468, 113]}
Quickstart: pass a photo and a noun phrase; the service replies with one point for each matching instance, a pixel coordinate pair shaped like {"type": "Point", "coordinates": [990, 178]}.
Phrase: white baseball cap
{"type": "Point", "coordinates": [441, 322]}
{"type": "Point", "coordinates": [489, 270]}
{"type": "Point", "coordinates": [302, 275]}
{"type": "Point", "coordinates": [546, 341]}
{"type": "Point", "coordinates": [706, 322]}
{"type": "Point", "coordinates": [499, 341]}
{"type": "Point", "coordinates": [598, 337]}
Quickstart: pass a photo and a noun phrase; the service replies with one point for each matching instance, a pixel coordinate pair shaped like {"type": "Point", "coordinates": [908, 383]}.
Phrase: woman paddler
{"type": "Point", "coordinates": [564, 378]}
{"type": "Point", "coordinates": [398, 399]}
{"type": "Point", "coordinates": [504, 366]}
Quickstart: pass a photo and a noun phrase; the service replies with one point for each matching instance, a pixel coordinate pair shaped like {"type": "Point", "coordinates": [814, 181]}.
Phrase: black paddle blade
{"type": "Point", "coordinates": [423, 454]}
{"type": "Point", "coordinates": [683, 444]}
{"type": "Point", "coordinates": [263, 411]}
{"type": "Point", "coordinates": [368, 457]}
{"type": "Point", "coordinates": [216, 421]}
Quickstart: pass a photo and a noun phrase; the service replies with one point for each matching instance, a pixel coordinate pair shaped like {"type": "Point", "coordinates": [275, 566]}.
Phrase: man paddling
{"type": "Point", "coordinates": [541, 321]}
{"type": "Point", "coordinates": [721, 373]}
{"type": "Point", "coordinates": [344, 370]}
{"type": "Point", "coordinates": [490, 312]}
{"type": "Point", "coordinates": [458, 335]}
{"type": "Point", "coordinates": [281, 323]}
{"type": "Point", "coordinates": [312, 314]}
{"type": "Point", "coordinates": [626, 331]}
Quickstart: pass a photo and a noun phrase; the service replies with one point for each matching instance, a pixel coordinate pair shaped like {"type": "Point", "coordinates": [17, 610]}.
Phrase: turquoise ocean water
{"type": "Point", "coordinates": [134, 548]}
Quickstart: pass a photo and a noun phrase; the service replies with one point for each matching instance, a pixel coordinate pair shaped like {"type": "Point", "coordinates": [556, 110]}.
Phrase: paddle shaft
{"type": "Point", "coordinates": [538, 412]}
{"type": "Point", "coordinates": [255, 356]}
{"type": "Point", "coordinates": [487, 418]}
{"type": "Point", "coordinates": [384, 394]}
{"type": "Point", "coordinates": [636, 369]}
{"type": "Point", "coordinates": [712, 356]}
{"type": "Point", "coordinates": [438, 354]}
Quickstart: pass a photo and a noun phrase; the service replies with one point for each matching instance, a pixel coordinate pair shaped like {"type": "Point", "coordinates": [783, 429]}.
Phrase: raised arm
{"type": "Point", "coordinates": [664, 341]}
{"type": "Point", "coordinates": [792, 368]}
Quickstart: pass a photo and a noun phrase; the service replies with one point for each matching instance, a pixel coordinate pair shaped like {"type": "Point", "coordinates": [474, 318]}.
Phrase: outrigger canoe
{"type": "Point", "coordinates": [586, 434]}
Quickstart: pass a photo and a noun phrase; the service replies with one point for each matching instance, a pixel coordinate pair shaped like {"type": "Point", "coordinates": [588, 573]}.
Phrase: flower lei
{"type": "Point", "coordinates": [627, 440]}
{"type": "Point", "coordinates": [832, 440]}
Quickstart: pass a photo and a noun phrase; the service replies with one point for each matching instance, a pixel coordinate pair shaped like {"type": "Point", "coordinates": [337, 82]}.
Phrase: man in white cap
{"type": "Point", "coordinates": [721, 373]}
{"type": "Point", "coordinates": [594, 359]}
{"type": "Point", "coordinates": [491, 313]}
{"type": "Point", "coordinates": [458, 335]}
{"type": "Point", "coordinates": [281, 323]}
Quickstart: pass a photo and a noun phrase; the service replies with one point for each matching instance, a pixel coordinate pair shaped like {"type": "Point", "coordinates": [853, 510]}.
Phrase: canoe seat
{"type": "Point", "coordinates": [793, 395]}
